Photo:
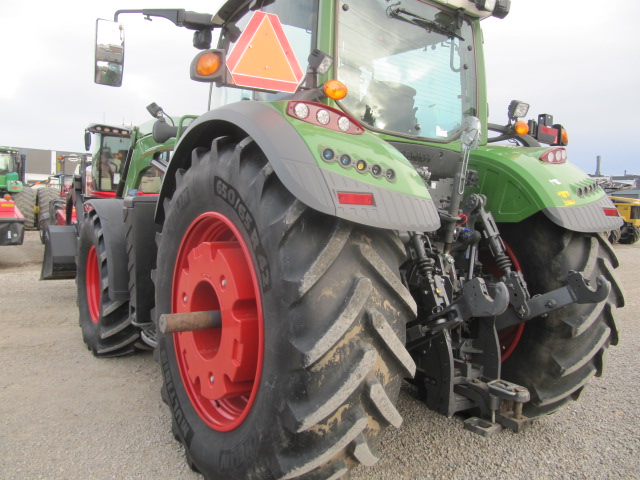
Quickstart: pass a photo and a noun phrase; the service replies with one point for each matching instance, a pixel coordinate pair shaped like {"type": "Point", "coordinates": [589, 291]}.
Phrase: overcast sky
{"type": "Point", "coordinates": [578, 60]}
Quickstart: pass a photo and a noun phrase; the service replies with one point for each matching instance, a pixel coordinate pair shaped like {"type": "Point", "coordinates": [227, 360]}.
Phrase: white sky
{"type": "Point", "coordinates": [576, 59]}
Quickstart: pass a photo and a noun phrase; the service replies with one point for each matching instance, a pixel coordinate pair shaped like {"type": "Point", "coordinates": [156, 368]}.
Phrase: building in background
{"type": "Point", "coordinates": [40, 164]}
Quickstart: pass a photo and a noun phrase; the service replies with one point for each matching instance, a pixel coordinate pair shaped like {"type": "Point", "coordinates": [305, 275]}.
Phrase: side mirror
{"type": "Point", "coordinates": [162, 131]}
{"type": "Point", "coordinates": [109, 54]}
{"type": "Point", "coordinates": [87, 141]}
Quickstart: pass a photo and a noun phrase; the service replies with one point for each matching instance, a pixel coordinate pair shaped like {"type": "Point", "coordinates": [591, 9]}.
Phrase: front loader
{"type": "Point", "coordinates": [341, 221]}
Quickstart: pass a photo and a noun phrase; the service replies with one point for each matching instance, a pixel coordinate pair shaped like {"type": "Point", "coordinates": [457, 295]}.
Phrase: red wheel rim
{"type": "Point", "coordinates": [510, 337]}
{"type": "Point", "coordinates": [220, 367]}
{"type": "Point", "coordinates": [92, 284]}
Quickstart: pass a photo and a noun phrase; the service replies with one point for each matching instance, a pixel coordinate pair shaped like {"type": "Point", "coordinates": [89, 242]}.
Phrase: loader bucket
{"type": "Point", "coordinates": [59, 252]}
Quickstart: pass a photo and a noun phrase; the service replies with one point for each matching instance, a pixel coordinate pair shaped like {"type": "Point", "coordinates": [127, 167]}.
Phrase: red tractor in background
{"type": "Point", "coordinates": [59, 209]}
{"type": "Point", "coordinates": [52, 198]}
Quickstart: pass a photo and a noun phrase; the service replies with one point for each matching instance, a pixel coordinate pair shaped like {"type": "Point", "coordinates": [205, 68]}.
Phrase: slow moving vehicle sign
{"type": "Point", "coordinates": [263, 57]}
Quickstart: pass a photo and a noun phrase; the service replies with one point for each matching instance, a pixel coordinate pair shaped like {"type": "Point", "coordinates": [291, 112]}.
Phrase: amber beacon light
{"type": "Point", "coordinates": [335, 90]}
{"type": "Point", "coordinates": [208, 64]}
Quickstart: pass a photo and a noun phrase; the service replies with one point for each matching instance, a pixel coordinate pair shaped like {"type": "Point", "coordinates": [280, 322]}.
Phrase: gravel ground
{"type": "Point", "coordinates": [67, 415]}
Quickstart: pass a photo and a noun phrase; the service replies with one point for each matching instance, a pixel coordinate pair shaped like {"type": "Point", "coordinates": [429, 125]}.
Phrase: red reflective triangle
{"type": "Point", "coordinates": [263, 57]}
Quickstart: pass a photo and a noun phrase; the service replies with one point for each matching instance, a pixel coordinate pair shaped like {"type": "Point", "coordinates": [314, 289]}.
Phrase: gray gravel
{"type": "Point", "coordinates": [66, 415]}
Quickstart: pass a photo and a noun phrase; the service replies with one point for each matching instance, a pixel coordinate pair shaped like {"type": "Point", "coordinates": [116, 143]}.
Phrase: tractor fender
{"type": "Point", "coordinates": [111, 214]}
{"type": "Point", "coordinates": [518, 184]}
{"type": "Point", "coordinates": [298, 169]}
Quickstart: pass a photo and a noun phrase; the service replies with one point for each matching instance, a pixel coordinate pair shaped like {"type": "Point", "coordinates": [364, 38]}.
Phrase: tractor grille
{"type": "Point", "coordinates": [635, 213]}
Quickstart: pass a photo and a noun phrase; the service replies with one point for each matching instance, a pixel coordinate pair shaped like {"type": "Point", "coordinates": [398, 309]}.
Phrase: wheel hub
{"type": "Point", "coordinates": [220, 367]}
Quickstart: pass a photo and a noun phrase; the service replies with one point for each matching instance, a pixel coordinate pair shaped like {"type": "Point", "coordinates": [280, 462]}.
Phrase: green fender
{"type": "Point", "coordinates": [518, 184]}
{"type": "Point", "coordinates": [295, 151]}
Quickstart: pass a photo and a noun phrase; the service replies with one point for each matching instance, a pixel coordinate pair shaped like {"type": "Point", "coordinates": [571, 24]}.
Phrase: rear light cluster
{"type": "Point", "coordinates": [582, 191]}
{"type": "Point", "coordinates": [323, 116]}
{"type": "Point", "coordinates": [556, 155]}
{"type": "Point", "coordinates": [362, 166]}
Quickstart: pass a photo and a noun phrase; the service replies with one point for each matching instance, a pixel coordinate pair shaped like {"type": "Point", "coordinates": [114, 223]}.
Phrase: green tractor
{"type": "Point", "coordinates": [123, 160]}
{"type": "Point", "coordinates": [14, 198]}
{"type": "Point", "coordinates": [330, 230]}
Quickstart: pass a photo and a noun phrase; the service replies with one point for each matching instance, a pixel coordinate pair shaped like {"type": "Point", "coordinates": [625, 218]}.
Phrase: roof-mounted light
{"type": "Point", "coordinates": [502, 8]}
{"type": "Point", "coordinates": [517, 109]}
{"type": "Point", "coordinates": [320, 62]}
{"type": "Point", "coordinates": [486, 5]}
{"type": "Point", "coordinates": [498, 8]}
{"type": "Point", "coordinates": [113, 131]}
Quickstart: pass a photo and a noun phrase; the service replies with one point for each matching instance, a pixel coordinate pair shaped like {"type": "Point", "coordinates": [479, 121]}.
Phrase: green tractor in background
{"type": "Point", "coordinates": [122, 160]}
{"type": "Point", "coordinates": [323, 234]}
{"type": "Point", "coordinates": [16, 202]}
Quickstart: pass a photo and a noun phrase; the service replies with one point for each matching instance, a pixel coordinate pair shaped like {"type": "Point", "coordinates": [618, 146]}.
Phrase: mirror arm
{"type": "Point", "coordinates": [178, 16]}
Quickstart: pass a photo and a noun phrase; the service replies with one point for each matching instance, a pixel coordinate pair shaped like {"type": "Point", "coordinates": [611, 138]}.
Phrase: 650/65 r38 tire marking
{"type": "Point", "coordinates": [326, 315]}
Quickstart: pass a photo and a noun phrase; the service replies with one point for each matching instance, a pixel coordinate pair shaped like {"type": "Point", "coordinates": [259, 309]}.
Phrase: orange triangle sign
{"type": "Point", "coordinates": [263, 57]}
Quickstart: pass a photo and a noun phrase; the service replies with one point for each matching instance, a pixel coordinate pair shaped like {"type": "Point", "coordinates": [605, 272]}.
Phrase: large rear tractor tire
{"type": "Point", "coordinates": [554, 357]}
{"type": "Point", "coordinates": [304, 373]}
{"type": "Point", "coordinates": [629, 234]}
{"type": "Point", "coordinates": [44, 198]}
{"type": "Point", "coordinates": [106, 328]}
{"type": "Point", "coordinates": [26, 203]}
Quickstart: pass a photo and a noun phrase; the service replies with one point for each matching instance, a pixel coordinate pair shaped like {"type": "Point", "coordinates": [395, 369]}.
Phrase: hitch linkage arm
{"type": "Point", "coordinates": [577, 290]}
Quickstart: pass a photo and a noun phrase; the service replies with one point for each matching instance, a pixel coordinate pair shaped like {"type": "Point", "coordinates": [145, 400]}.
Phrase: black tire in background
{"type": "Point", "coordinates": [557, 355]}
{"type": "Point", "coordinates": [614, 236]}
{"type": "Point", "coordinates": [106, 327]}
{"type": "Point", "coordinates": [629, 234]}
{"type": "Point", "coordinates": [329, 313]}
{"type": "Point", "coordinates": [44, 198]}
{"type": "Point", "coordinates": [26, 202]}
